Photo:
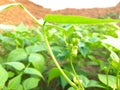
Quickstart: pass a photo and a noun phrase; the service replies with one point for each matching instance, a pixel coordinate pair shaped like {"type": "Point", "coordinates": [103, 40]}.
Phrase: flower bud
{"type": "Point", "coordinates": [74, 51]}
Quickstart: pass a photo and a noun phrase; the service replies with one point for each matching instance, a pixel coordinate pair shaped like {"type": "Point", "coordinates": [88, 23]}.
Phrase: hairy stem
{"type": "Point", "coordinates": [46, 41]}
{"type": "Point", "coordinates": [56, 63]}
{"type": "Point", "coordinates": [79, 83]}
{"type": "Point", "coordinates": [5, 7]}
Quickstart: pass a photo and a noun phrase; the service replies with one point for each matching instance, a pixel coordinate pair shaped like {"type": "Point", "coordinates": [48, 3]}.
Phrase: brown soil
{"type": "Point", "coordinates": [16, 15]}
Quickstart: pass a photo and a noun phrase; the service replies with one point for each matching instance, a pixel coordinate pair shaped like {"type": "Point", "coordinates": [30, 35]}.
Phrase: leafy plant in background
{"type": "Point", "coordinates": [112, 44]}
{"type": "Point", "coordinates": [112, 15]}
{"type": "Point", "coordinates": [27, 55]}
{"type": "Point", "coordinates": [22, 58]}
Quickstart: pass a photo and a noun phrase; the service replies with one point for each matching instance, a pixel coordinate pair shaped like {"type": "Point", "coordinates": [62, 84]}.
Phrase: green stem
{"type": "Point", "coordinates": [47, 43]}
{"type": "Point", "coordinates": [80, 84]}
{"type": "Point", "coordinates": [117, 81]}
{"type": "Point", "coordinates": [21, 6]}
{"type": "Point", "coordinates": [107, 81]}
{"type": "Point", "coordinates": [107, 71]}
{"type": "Point", "coordinates": [36, 21]}
{"type": "Point", "coordinates": [56, 63]}
{"type": "Point", "coordinates": [24, 69]}
{"type": "Point", "coordinates": [49, 49]}
{"type": "Point", "coordinates": [117, 78]}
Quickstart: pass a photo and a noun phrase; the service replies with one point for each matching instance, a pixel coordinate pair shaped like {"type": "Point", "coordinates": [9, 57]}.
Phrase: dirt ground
{"type": "Point", "coordinates": [16, 15]}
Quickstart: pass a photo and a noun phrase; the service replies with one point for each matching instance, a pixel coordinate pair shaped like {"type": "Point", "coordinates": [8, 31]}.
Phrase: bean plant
{"type": "Point", "coordinates": [25, 55]}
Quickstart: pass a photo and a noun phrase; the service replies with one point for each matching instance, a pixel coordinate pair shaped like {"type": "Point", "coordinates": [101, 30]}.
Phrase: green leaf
{"type": "Point", "coordinates": [94, 60]}
{"type": "Point", "coordinates": [90, 83]}
{"type": "Point", "coordinates": [37, 60]}
{"type": "Point", "coordinates": [14, 83]}
{"type": "Point", "coordinates": [20, 87]}
{"type": "Point", "coordinates": [70, 30]}
{"type": "Point", "coordinates": [114, 42]}
{"type": "Point", "coordinates": [111, 80]}
{"type": "Point", "coordinates": [3, 76]}
{"type": "Point", "coordinates": [17, 55]}
{"type": "Point", "coordinates": [21, 28]}
{"type": "Point", "coordinates": [30, 83]}
{"type": "Point", "coordinates": [53, 73]}
{"type": "Point", "coordinates": [60, 52]}
{"type": "Point", "coordinates": [63, 82]}
{"type": "Point", "coordinates": [84, 80]}
{"type": "Point", "coordinates": [83, 49]}
{"type": "Point", "coordinates": [5, 88]}
{"type": "Point", "coordinates": [93, 39]}
{"type": "Point", "coordinates": [93, 83]}
{"type": "Point", "coordinates": [16, 65]}
{"type": "Point", "coordinates": [11, 74]}
{"type": "Point", "coordinates": [115, 65]}
{"type": "Point", "coordinates": [1, 59]}
{"type": "Point", "coordinates": [114, 57]}
{"type": "Point", "coordinates": [33, 71]}
{"type": "Point", "coordinates": [35, 48]}
{"type": "Point", "coordinates": [50, 26]}
{"type": "Point", "coordinates": [70, 88]}
{"type": "Point", "coordinates": [70, 19]}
